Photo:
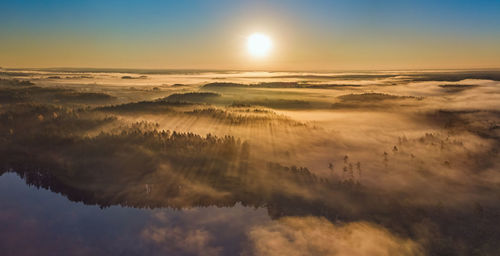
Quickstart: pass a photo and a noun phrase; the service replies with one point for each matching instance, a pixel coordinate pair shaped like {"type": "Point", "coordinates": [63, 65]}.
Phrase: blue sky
{"type": "Point", "coordinates": [204, 34]}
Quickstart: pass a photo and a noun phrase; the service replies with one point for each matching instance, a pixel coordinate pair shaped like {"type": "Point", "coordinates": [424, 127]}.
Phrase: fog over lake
{"type": "Point", "coordinates": [204, 162]}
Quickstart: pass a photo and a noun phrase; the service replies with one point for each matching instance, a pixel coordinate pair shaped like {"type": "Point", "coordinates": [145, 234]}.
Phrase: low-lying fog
{"type": "Point", "coordinates": [348, 163]}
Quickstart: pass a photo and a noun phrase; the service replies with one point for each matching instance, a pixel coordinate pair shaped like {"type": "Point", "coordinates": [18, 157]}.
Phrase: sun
{"type": "Point", "coordinates": [259, 45]}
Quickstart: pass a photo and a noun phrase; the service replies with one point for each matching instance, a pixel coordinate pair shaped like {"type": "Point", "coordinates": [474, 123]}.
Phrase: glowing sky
{"type": "Point", "coordinates": [323, 35]}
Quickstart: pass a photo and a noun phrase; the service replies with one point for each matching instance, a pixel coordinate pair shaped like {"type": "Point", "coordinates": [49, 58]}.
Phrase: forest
{"type": "Point", "coordinates": [414, 154]}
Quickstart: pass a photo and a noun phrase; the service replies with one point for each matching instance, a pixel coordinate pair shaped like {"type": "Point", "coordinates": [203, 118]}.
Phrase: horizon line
{"type": "Point", "coordinates": [117, 69]}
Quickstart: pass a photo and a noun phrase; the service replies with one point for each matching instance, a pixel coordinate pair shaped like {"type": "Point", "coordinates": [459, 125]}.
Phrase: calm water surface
{"type": "Point", "coordinates": [40, 222]}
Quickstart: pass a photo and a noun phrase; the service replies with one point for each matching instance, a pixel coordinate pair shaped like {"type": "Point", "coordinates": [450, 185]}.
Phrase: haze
{"type": "Point", "coordinates": [251, 128]}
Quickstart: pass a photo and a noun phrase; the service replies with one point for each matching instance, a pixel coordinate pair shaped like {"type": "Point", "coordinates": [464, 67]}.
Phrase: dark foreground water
{"type": "Point", "coordinates": [40, 222]}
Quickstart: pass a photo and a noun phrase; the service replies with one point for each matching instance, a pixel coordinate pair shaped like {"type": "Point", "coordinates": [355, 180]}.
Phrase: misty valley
{"type": "Point", "coordinates": [186, 162]}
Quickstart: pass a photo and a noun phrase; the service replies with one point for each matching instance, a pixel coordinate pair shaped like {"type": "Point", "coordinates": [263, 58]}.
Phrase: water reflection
{"type": "Point", "coordinates": [39, 222]}
{"type": "Point", "coordinates": [410, 165]}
